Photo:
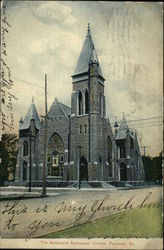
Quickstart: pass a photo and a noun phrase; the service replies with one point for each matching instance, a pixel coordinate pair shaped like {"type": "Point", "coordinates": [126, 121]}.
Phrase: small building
{"type": "Point", "coordinates": [129, 161]}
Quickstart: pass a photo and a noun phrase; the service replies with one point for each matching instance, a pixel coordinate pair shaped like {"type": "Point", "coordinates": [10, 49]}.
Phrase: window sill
{"type": "Point", "coordinates": [54, 176]}
{"type": "Point", "coordinates": [82, 115]}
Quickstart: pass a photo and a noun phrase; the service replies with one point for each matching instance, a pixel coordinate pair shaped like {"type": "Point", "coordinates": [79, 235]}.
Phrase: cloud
{"type": "Point", "coordinates": [47, 36]}
{"type": "Point", "coordinates": [50, 12]}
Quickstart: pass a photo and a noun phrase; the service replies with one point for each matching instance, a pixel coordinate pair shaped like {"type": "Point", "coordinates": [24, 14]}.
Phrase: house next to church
{"type": "Point", "coordinates": [80, 142]}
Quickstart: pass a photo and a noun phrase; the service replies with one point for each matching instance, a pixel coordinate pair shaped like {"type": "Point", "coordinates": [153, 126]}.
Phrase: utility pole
{"type": "Point", "coordinates": [30, 165]}
{"type": "Point", "coordinates": [144, 147]}
{"type": "Point", "coordinates": [89, 112]}
{"type": "Point", "coordinates": [45, 141]}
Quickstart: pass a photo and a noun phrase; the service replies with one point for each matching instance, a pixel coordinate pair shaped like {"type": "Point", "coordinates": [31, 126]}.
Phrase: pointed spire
{"type": "Point", "coordinates": [31, 114]}
{"type": "Point", "coordinates": [123, 128]}
{"type": "Point", "coordinates": [87, 52]}
{"type": "Point", "coordinates": [124, 124]}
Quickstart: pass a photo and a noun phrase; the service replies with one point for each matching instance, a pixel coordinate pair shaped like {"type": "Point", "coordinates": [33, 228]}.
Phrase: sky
{"type": "Point", "coordinates": [47, 37]}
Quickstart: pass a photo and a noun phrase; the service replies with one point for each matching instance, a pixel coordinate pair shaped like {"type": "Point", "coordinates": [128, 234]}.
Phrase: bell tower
{"type": "Point", "coordinates": [88, 111]}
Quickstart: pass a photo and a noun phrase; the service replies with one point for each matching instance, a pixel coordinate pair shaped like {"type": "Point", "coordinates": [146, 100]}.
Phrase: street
{"type": "Point", "coordinates": [29, 218]}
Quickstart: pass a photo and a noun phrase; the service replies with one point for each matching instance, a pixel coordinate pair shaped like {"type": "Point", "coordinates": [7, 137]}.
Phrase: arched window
{"type": "Point", "coordinates": [80, 103]}
{"type": "Point", "coordinates": [86, 102]}
{"type": "Point", "coordinates": [25, 148]}
{"type": "Point", "coordinates": [101, 105]}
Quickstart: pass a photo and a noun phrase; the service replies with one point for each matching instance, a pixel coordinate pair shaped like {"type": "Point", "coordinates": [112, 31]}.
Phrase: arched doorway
{"type": "Point", "coordinates": [123, 172]}
{"type": "Point", "coordinates": [24, 176]}
{"type": "Point", "coordinates": [83, 169]}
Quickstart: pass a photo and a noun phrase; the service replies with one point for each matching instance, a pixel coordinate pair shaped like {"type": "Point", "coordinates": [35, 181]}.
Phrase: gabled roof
{"type": "Point", "coordinates": [65, 109]}
{"type": "Point", "coordinates": [122, 131]}
{"type": "Point", "coordinates": [85, 56]}
{"type": "Point", "coordinates": [31, 114]}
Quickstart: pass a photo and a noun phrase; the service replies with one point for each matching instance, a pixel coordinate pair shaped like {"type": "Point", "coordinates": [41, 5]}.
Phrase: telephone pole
{"type": "Point", "coordinates": [45, 141]}
{"type": "Point", "coordinates": [144, 147]}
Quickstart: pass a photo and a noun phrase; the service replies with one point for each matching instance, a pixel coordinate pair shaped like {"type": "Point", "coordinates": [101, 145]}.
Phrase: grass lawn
{"type": "Point", "coordinates": [138, 222]}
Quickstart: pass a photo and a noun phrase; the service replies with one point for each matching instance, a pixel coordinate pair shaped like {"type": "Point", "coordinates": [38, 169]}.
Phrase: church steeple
{"type": "Point", "coordinates": [123, 128]}
{"type": "Point", "coordinates": [88, 52]}
{"type": "Point", "coordinates": [31, 114]}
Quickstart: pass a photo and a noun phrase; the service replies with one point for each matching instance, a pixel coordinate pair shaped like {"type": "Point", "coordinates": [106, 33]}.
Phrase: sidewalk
{"type": "Point", "coordinates": [21, 192]}
{"type": "Point", "coordinates": [50, 189]}
{"type": "Point", "coordinates": [9, 195]}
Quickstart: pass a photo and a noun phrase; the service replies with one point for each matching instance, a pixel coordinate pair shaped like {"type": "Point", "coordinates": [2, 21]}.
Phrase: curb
{"type": "Point", "coordinates": [19, 197]}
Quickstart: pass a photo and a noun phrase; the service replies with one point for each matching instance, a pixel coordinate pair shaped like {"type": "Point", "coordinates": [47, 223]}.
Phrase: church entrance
{"type": "Point", "coordinates": [123, 172]}
{"type": "Point", "coordinates": [83, 169]}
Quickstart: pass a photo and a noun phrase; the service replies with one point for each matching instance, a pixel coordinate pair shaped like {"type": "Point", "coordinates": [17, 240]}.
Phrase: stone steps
{"type": "Point", "coordinates": [107, 185]}
{"type": "Point", "coordinates": [84, 184]}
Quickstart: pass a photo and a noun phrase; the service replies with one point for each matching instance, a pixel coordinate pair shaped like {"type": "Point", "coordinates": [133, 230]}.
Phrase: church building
{"type": "Point", "coordinates": [80, 142]}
